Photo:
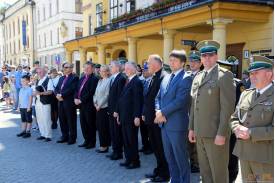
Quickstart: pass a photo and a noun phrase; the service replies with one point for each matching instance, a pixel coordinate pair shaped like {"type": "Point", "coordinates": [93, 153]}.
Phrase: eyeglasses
{"type": "Point", "coordinates": [66, 67]}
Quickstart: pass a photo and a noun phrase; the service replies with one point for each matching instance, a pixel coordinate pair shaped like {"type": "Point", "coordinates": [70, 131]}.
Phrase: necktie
{"type": "Point", "coordinates": [204, 75]}
{"type": "Point", "coordinates": [82, 85]}
{"type": "Point", "coordinates": [126, 83]}
{"type": "Point", "coordinates": [258, 94]}
{"type": "Point", "coordinates": [170, 81]}
{"type": "Point", "coordinates": [64, 82]}
{"type": "Point", "coordinates": [112, 81]}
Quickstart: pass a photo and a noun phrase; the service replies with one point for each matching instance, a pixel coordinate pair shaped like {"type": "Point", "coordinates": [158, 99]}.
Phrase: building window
{"type": "Point", "coordinates": [13, 28]}
{"type": "Point", "coordinates": [9, 30]}
{"type": "Point", "coordinates": [58, 36]}
{"type": "Point", "coordinates": [78, 6]}
{"type": "Point", "coordinates": [44, 13]}
{"type": "Point", "coordinates": [90, 25]}
{"type": "Point", "coordinates": [28, 42]}
{"type": "Point", "coordinates": [130, 5]}
{"type": "Point", "coordinates": [27, 20]}
{"type": "Point", "coordinates": [113, 9]}
{"type": "Point", "coordinates": [78, 32]}
{"type": "Point", "coordinates": [99, 15]}
{"type": "Point", "coordinates": [19, 46]}
{"type": "Point", "coordinates": [14, 50]}
{"type": "Point", "coordinates": [39, 41]}
{"type": "Point", "coordinates": [38, 16]}
{"type": "Point", "coordinates": [57, 6]}
{"type": "Point", "coordinates": [45, 40]}
{"type": "Point", "coordinates": [50, 9]}
{"type": "Point", "coordinates": [51, 37]}
{"type": "Point", "coordinates": [18, 25]}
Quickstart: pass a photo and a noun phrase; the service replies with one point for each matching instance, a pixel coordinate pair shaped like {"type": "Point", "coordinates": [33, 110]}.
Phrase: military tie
{"type": "Point", "coordinates": [258, 94]}
{"type": "Point", "coordinates": [204, 75]}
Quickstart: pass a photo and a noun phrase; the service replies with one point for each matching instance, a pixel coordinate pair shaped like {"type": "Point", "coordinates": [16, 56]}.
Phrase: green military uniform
{"type": "Point", "coordinates": [213, 99]}
{"type": "Point", "coordinates": [257, 114]}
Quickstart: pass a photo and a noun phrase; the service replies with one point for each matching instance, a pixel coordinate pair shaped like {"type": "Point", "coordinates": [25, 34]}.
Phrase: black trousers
{"type": "Point", "coordinates": [116, 135]}
{"type": "Point", "coordinates": [154, 133]}
{"type": "Point", "coordinates": [233, 166]}
{"type": "Point", "coordinates": [54, 111]}
{"type": "Point", "coordinates": [67, 119]}
{"type": "Point", "coordinates": [88, 123]}
{"type": "Point", "coordinates": [130, 142]}
{"type": "Point", "coordinates": [102, 124]}
{"type": "Point", "coordinates": [144, 136]}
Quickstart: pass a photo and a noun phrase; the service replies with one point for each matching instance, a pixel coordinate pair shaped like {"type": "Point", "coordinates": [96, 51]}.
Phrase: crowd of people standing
{"type": "Point", "coordinates": [186, 118]}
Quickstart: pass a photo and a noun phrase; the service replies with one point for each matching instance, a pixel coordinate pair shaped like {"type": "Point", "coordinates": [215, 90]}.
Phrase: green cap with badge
{"type": "Point", "coordinates": [194, 56]}
{"type": "Point", "coordinates": [208, 46]}
{"type": "Point", "coordinates": [260, 62]}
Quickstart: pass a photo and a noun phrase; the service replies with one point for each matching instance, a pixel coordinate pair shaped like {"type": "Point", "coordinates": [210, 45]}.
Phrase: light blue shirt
{"type": "Point", "coordinates": [18, 75]}
{"type": "Point", "coordinates": [24, 96]}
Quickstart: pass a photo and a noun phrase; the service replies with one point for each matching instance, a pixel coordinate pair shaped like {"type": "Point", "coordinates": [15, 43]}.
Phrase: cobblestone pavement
{"type": "Point", "coordinates": [32, 161]}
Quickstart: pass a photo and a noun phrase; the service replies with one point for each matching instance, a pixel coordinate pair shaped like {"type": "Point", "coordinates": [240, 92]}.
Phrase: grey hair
{"type": "Point", "coordinates": [157, 58]}
{"type": "Point", "coordinates": [116, 63]}
{"type": "Point", "coordinates": [133, 64]}
{"type": "Point", "coordinates": [106, 67]}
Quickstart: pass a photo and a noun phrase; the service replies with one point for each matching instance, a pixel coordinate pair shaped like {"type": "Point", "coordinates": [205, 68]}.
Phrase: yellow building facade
{"type": "Point", "coordinates": [242, 29]}
{"type": "Point", "coordinates": [18, 46]}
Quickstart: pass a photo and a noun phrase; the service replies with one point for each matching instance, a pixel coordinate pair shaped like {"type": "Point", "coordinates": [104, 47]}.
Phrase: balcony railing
{"type": "Point", "coordinates": [163, 9]}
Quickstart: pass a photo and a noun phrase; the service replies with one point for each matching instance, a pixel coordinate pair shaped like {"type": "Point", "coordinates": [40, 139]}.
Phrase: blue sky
{"type": "Point", "coordinates": [3, 2]}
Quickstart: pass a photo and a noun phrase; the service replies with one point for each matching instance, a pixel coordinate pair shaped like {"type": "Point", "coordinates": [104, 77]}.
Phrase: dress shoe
{"type": "Point", "coordinates": [48, 139]}
{"type": "Point", "coordinates": [40, 138]}
{"type": "Point", "coordinates": [102, 151]}
{"type": "Point", "coordinates": [84, 144]}
{"type": "Point", "coordinates": [160, 179]}
{"type": "Point", "coordinates": [109, 155]}
{"type": "Point", "coordinates": [26, 135]}
{"type": "Point", "coordinates": [150, 175]}
{"type": "Point", "coordinates": [133, 166]}
{"type": "Point", "coordinates": [71, 142]}
{"type": "Point", "coordinates": [62, 141]}
{"type": "Point", "coordinates": [125, 163]}
{"type": "Point", "coordinates": [147, 151]}
{"type": "Point", "coordinates": [21, 134]}
{"type": "Point", "coordinates": [90, 146]}
{"type": "Point", "coordinates": [116, 157]}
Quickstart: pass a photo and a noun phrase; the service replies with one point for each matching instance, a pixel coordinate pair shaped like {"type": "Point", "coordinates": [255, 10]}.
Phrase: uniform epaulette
{"type": "Point", "coordinates": [223, 69]}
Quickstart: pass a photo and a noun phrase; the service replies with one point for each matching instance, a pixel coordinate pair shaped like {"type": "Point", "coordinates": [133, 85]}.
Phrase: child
{"type": "Point", "coordinates": [33, 85]}
{"type": "Point", "coordinates": [13, 92]}
{"type": "Point", "coordinates": [6, 91]}
{"type": "Point", "coordinates": [25, 106]}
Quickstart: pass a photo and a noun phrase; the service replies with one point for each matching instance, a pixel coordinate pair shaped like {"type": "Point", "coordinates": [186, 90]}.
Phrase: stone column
{"type": "Point", "coordinates": [168, 44]}
{"type": "Point", "coordinates": [132, 49]}
{"type": "Point", "coordinates": [101, 51]}
{"type": "Point", "coordinates": [83, 56]}
{"type": "Point", "coordinates": [219, 34]}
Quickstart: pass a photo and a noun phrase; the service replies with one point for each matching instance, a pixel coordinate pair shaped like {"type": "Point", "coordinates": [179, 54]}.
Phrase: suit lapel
{"type": "Point", "coordinates": [173, 81]}
{"type": "Point", "coordinates": [128, 85]}
{"type": "Point", "coordinates": [262, 97]}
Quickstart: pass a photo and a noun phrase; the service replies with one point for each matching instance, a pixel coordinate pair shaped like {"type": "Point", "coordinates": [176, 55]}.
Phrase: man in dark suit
{"type": "Point", "coordinates": [172, 114]}
{"type": "Point", "coordinates": [67, 110]}
{"type": "Point", "coordinates": [117, 84]}
{"type": "Point", "coordinates": [161, 172]}
{"type": "Point", "coordinates": [84, 99]}
{"type": "Point", "coordinates": [129, 115]}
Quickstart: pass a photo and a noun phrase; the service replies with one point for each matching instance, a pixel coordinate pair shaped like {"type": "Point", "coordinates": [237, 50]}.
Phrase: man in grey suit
{"type": "Point", "coordinates": [172, 108]}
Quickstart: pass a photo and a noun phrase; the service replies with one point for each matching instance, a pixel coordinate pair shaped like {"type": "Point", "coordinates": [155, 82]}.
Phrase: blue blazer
{"type": "Point", "coordinates": [175, 102]}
